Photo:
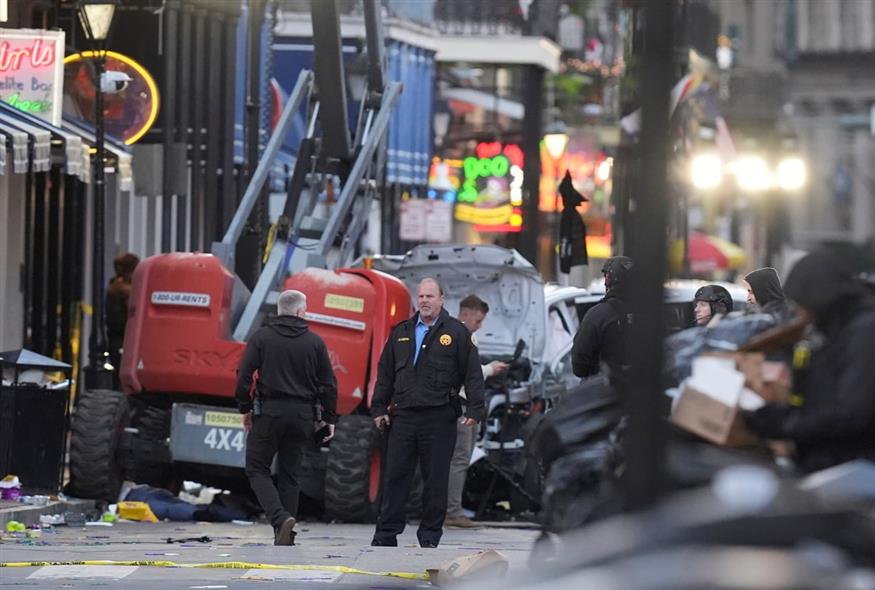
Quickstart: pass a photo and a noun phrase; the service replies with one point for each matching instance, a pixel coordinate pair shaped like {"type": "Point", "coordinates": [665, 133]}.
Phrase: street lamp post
{"type": "Point", "coordinates": [706, 174]}
{"type": "Point", "coordinates": [96, 17]}
{"type": "Point", "coordinates": [555, 143]}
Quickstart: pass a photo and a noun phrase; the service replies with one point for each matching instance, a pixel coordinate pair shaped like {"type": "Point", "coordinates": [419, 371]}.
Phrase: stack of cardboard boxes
{"type": "Point", "coordinates": [720, 387]}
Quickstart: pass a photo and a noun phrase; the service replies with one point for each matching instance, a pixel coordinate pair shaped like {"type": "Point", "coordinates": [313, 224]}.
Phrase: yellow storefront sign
{"type": "Point", "coordinates": [484, 216]}
{"type": "Point", "coordinates": [225, 419]}
{"type": "Point", "coordinates": [344, 302]}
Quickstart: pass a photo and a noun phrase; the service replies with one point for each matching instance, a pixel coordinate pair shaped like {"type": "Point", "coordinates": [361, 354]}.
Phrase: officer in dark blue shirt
{"type": "Point", "coordinates": [424, 363]}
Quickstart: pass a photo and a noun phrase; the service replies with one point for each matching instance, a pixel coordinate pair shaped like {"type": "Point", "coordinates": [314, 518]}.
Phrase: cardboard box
{"type": "Point", "coordinates": [749, 364]}
{"type": "Point", "coordinates": [769, 379]}
{"type": "Point", "coordinates": [777, 383]}
{"type": "Point", "coordinates": [711, 419]}
{"type": "Point", "coordinates": [483, 565]}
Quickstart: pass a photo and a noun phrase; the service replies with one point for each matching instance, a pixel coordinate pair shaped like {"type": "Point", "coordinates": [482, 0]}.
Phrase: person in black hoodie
{"type": "Point", "coordinates": [764, 292]}
{"type": "Point", "coordinates": [836, 421]}
{"type": "Point", "coordinates": [601, 338]}
{"type": "Point", "coordinates": [294, 374]}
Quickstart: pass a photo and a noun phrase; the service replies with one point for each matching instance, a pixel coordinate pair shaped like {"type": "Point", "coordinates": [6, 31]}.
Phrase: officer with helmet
{"type": "Point", "coordinates": [709, 301]}
{"type": "Point", "coordinates": [601, 339]}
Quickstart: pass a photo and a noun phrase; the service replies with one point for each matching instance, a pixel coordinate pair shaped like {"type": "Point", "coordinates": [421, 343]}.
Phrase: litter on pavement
{"type": "Point", "coordinates": [489, 564]}
{"type": "Point", "coordinates": [204, 539]}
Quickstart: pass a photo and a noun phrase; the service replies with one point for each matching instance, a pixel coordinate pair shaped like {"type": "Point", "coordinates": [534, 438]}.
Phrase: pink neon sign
{"type": "Point", "coordinates": [39, 54]}
{"type": "Point", "coordinates": [32, 71]}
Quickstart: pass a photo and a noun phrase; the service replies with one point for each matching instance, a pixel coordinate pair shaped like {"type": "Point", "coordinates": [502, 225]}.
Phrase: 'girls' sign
{"type": "Point", "coordinates": [32, 71]}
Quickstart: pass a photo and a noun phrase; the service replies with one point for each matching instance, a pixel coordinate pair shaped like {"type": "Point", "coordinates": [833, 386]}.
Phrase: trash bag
{"type": "Point", "coordinates": [579, 433]}
{"type": "Point", "coordinates": [730, 333]}
{"type": "Point", "coordinates": [581, 486]}
{"type": "Point", "coordinates": [587, 412]}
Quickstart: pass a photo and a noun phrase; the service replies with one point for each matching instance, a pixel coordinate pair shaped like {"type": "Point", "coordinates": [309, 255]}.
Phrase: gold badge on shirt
{"type": "Point", "coordinates": [446, 339]}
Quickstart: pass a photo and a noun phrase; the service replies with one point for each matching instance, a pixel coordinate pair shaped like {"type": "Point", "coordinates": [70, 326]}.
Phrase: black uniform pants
{"type": "Point", "coordinates": [427, 436]}
{"type": "Point", "coordinates": [285, 436]}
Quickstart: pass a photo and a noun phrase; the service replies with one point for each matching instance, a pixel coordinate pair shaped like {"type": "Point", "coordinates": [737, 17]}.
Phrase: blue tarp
{"type": "Point", "coordinates": [410, 129]}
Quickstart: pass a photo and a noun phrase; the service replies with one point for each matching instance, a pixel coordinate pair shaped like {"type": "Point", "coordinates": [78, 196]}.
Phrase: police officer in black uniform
{"type": "Point", "coordinates": [601, 339]}
{"type": "Point", "coordinates": [709, 301]}
{"type": "Point", "coordinates": [424, 363]}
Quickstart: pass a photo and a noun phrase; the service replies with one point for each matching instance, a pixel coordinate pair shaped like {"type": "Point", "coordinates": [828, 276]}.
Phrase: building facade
{"type": "Point", "coordinates": [830, 57]}
{"type": "Point", "coordinates": [804, 71]}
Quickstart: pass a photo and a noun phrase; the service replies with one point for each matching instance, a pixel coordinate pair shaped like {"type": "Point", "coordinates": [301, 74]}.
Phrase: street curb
{"type": "Point", "coordinates": [29, 515]}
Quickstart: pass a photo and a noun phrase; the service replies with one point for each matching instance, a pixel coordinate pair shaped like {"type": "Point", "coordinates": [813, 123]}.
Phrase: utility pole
{"type": "Point", "coordinates": [253, 84]}
{"type": "Point", "coordinates": [168, 108]}
{"type": "Point", "coordinates": [647, 223]}
{"type": "Point", "coordinates": [532, 131]}
{"type": "Point", "coordinates": [250, 247]}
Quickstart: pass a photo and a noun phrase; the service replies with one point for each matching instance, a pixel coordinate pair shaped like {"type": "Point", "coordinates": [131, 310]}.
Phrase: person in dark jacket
{"type": "Point", "coordinates": [764, 293]}
{"type": "Point", "coordinates": [425, 361]}
{"type": "Point", "coordinates": [117, 295]}
{"type": "Point", "coordinates": [601, 338]}
{"type": "Point", "coordinates": [836, 421]}
{"type": "Point", "coordinates": [294, 374]}
{"type": "Point", "coordinates": [472, 312]}
{"type": "Point", "coordinates": [709, 301]}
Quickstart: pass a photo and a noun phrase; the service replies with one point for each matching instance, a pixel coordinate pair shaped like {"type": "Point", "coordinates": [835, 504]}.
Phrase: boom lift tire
{"type": "Point", "coordinates": [145, 467]}
{"type": "Point", "coordinates": [352, 473]}
{"type": "Point", "coordinates": [96, 429]}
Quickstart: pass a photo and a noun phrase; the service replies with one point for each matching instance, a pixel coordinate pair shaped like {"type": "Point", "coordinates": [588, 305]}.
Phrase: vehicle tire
{"type": "Point", "coordinates": [352, 472]}
{"type": "Point", "coordinates": [144, 465]}
{"type": "Point", "coordinates": [96, 428]}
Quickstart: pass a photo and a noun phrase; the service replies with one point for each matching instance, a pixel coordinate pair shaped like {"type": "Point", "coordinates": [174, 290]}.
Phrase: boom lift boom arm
{"type": "Point", "coordinates": [303, 240]}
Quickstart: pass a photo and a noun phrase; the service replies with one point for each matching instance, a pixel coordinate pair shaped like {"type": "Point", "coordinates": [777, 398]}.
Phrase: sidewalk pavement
{"type": "Point", "coordinates": [29, 514]}
{"type": "Point", "coordinates": [325, 553]}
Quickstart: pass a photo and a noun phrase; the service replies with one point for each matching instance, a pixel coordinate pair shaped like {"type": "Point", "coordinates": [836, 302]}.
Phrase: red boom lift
{"type": "Point", "coordinates": [189, 315]}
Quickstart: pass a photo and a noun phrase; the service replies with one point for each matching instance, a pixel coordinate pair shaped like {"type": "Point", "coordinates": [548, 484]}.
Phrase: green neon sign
{"type": "Point", "coordinates": [476, 168]}
{"type": "Point", "coordinates": [28, 106]}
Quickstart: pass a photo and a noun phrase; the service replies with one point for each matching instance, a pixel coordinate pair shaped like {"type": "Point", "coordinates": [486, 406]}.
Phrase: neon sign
{"type": "Point", "coordinates": [128, 114]}
{"type": "Point", "coordinates": [31, 71]}
{"type": "Point", "coordinates": [491, 194]}
{"type": "Point", "coordinates": [444, 179]}
{"type": "Point", "coordinates": [40, 54]}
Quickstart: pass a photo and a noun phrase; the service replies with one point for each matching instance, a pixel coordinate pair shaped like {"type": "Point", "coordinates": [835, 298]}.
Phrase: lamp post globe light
{"type": "Point", "coordinates": [706, 171]}
{"type": "Point", "coordinates": [96, 17]}
{"type": "Point", "coordinates": [556, 139]}
{"type": "Point", "coordinates": [792, 173]}
{"type": "Point", "coordinates": [753, 174]}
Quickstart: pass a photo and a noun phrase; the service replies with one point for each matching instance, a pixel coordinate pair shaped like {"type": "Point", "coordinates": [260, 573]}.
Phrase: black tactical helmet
{"type": "Point", "coordinates": [717, 297]}
{"type": "Point", "coordinates": [616, 271]}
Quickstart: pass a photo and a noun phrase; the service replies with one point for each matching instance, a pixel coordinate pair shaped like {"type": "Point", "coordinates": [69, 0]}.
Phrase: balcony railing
{"type": "Point", "coordinates": [496, 17]}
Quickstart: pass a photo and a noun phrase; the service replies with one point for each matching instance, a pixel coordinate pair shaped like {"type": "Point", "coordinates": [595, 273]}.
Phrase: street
{"type": "Point", "coordinates": [322, 555]}
{"type": "Point", "coordinates": [591, 282]}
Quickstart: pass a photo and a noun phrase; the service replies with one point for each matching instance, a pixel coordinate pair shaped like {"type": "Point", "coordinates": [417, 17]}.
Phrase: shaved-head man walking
{"type": "Point", "coordinates": [294, 375]}
{"type": "Point", "coordinates": [425, 362]}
